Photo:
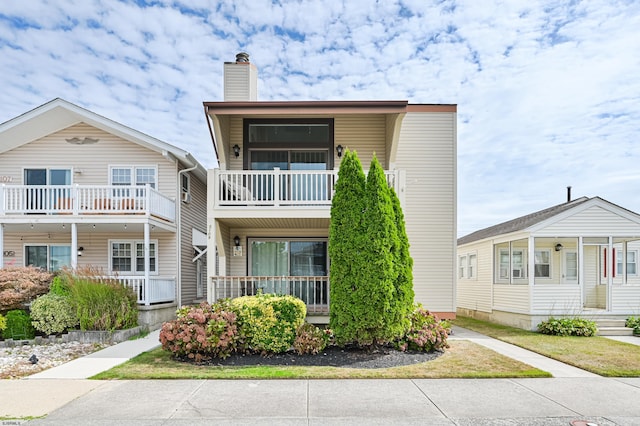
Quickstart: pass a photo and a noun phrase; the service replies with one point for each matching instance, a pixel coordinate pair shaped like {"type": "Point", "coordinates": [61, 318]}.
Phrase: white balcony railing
{"type": "Point", "coordinates": [157, 290]}
{"type": "Point", "coordinates": [314, 291]}
{"type": "Point", "coordinates": [78, 200]}
{"type": "Point", "coordinates": [279, 187]}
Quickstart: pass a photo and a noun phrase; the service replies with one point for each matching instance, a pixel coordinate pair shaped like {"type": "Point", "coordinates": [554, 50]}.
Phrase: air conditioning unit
{"type": "Point", "coordinates": [186, 197]}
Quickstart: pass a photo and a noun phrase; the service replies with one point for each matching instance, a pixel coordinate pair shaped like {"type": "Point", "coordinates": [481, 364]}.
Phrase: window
{"type": "Point", "coordinates": [504, 264]}
{"type": "Point", "coordinates": [515, 263]}
{"type": "Point", "coordinates": [49, 257]}
{"type": "Point", "coordinates": [185, 183]}
{"type": "Point", "coordinates": [542, 264]}
{"type": "Point", "coordinates": [462, 264]}
{"type": "Point", "coordinates": [125, 254]}
{"type": "Point", "coordinates": [472, 266]}
{"type": "Point", "coordinates": [632, 261]}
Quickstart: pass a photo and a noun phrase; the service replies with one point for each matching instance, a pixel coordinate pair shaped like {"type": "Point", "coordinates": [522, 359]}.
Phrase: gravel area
{"type": "Point", "coordinates": [14, 362]}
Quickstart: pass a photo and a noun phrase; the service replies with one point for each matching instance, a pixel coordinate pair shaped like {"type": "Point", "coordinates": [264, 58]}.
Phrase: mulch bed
{"type": "Point", "coordinates": [332, 356]}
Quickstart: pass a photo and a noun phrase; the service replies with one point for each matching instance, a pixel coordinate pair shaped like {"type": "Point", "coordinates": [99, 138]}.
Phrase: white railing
{"type": "Point", "coordinates": [314, 291]}
{"type": "Point", "coordinates": [158, 290]}
{"type": "Point", "coordinates": [280, 187]}
{"type": "Point", "coordinates": [76, 199]}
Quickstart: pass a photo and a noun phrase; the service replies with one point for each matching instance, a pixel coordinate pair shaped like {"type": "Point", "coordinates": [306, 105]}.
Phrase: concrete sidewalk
{"type": "Point", "coordinates": [573, 392]}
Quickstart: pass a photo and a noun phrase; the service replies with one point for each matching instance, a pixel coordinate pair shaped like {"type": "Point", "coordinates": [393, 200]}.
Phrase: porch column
{"type": "Point", "coordinates": [581, 270]}
{"type": "Point", "coordinates": [147, 263]}
{"type": "Point", "coordinates": [1, 246]}
{"type": "Point", "coordinates": [74, 246]}
{"type": "Point", "coordinates": [531, 261]}
{"type": "Point", "coordinates": [610, 265]}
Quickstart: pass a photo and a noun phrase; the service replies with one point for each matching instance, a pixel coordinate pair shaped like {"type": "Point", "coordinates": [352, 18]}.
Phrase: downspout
{"type": "Point", "coordinates": [179, 230]}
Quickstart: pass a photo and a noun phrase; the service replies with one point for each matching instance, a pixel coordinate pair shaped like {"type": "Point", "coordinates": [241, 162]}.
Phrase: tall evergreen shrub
{"type": "Point", "coordinates": [346, 245]}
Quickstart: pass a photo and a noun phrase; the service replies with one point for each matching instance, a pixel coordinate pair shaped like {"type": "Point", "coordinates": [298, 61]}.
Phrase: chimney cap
{"type": "Point", "coordinates": [242, 57]}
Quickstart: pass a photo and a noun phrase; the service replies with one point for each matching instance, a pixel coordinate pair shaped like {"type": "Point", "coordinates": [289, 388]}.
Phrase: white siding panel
{"type": "Point", "coordinates": [592, 221]}
{"type": "Point", "coordinates": [556, 299]}
{"type": "Point", "coordinates": [476, 294]}
{"type": "Point", "coordinates": [625, 299]}
{"type": "Point", "coordinates": [427, 151]}
{"type": "Point", "coordinates": [511, 298]}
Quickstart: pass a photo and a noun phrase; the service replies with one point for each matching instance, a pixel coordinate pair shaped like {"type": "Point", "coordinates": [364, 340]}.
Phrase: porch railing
{"type": "Point", "coordinates": [78, 200]}
{"type": "Point", "coordinates": [314, 291]}
{"type": "Point", "coordinates": [280, 187]}
{"type": "Point", "coordinates": [157, 290]}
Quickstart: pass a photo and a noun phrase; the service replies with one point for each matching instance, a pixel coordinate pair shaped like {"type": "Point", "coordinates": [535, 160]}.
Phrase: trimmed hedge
{"type": "Point", "coordinates": [18, 326]}
{"type": "Point", "coordinates": [568, 327]}
{"type": "Point", "coordinates": [53, 314]}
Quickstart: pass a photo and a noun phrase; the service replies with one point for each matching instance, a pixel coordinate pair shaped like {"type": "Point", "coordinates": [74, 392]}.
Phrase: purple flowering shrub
{"type": "Point", "coordinates": [426, 334]}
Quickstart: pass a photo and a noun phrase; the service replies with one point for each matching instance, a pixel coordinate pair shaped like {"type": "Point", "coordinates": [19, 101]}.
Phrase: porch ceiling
{"type": "Point", "coordinates": [276, 223]}
{"type": "Point", "coordinates": [85, 227]}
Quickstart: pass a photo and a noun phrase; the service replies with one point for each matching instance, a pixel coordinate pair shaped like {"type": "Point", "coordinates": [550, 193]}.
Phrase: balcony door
{"type": "Point", "coordinates": [41, 198]}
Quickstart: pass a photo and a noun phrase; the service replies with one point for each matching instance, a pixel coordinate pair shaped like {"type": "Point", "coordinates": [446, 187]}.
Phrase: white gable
{"type": "Point", "coordinates": [593, 219]}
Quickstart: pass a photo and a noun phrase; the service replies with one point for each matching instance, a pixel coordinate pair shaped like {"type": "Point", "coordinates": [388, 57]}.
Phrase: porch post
{"type": "Point", "coordinates": [581, 270]}
{"type": "Point", "coordinates": [610, 266]}
{"type": "Point", "coordinates": [147, 263]}
{"type": "Point", "coordinates": [74, 246]}
{"type": "Point", "coordinates": [532, 271]}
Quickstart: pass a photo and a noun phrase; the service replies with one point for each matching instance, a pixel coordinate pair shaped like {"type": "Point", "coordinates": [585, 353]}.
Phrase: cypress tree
{"type": "Point", "coordinates": [404, 294]}
{"type": "Point", "coordinates": [346, 241]}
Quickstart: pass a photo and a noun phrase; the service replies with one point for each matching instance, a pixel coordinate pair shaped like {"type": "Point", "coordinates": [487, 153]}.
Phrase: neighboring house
{"type": "Point", "coordinates": [270, 198]}
{"type": "Point", "coordinates": [81, 190]}
{"type": "Point", "coordinates": [579, 258]}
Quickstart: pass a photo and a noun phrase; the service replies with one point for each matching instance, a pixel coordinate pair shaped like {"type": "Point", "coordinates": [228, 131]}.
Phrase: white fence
{"type": "Point", "coordinates": [157, 290]}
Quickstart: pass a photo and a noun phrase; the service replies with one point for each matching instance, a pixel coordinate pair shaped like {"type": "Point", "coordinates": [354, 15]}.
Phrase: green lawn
{"type": "Point", "coordinates": [463, 360]}
{"type": "Point", "coordinates": [599, 355]}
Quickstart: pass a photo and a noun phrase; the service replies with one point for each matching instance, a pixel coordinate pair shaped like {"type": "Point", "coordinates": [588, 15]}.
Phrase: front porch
{"type": "Point", "coordinates": [313, 291]}
{"type": "Point", "coordinates": [151, 291]}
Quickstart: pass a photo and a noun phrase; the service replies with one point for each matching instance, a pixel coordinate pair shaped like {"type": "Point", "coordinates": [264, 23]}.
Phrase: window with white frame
{"type": "Point", "coordinates": [631, 264]}
{"type": "Point", "coordinates": [185, 183]}
{"type": "Point", "coordinates": [134, 175]}
{"type": "Point", "coordinates": [517, 263]}
{"type": "Point", "coordinates": [542, 263]}
{"type": "Point", "coordinates": [513, 261]}
{"type": "Point", "coordinates": [503, 264]}
{"type": "Point", "coordinates": [50, 257]}
{"type": "Point", "coordinates": [128, 257]}
{"type": "Point", "coordinates": [462, 266]}
{"type": "Point", "coordinates": [473, 263]}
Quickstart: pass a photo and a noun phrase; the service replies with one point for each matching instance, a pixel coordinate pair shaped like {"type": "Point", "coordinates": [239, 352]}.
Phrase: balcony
{"type": "Point", "coordinates": [156, 290]}
{"type": "Point", "coordinates": [85, 200]}
{"type": "Point", "coordinates": [314, 291]}
{"type": "Point", "coordinates": [280, 188]}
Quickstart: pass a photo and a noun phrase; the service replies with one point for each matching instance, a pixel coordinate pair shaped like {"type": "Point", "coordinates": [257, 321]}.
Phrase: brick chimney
{"type": "Point", "coordinates": [240, 79]}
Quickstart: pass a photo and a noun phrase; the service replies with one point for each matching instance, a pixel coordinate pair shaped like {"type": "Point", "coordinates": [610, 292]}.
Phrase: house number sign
{"type": "Point", "coordinates": [6, 179]}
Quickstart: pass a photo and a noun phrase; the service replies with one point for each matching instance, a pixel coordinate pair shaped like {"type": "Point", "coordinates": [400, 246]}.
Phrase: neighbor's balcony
{"type": "Point", "coordinates": [314, 291]}
{"type": "Point", "coordinates": [275, 188]}
{"type": "Point", "coordinates": [156, 290]}
{"type": "Point", "coordinates": [85, 199]}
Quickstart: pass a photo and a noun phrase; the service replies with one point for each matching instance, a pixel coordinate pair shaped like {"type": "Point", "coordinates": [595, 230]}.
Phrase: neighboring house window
{"type": "Point", "coordinates": [632, 262]}
{"type": "Point", "coordinates": [200, 279]}
{"type": "Point", "coordinates": [542, 264]}
{"type": "Point", "coordinates": [125, 254]}
{"type": "Point", "coordinates": [49, 257]}
{"type": "Point", "coordinates": [462, 263]}
{"type": "Point", "coordinates": [472, 265]}
{"type": "Point", "coordinates": [504, 264]}
{"type": "Point", "coordinates": [517, 264]}
{"type": "Point", "coordinates": [185, 183]}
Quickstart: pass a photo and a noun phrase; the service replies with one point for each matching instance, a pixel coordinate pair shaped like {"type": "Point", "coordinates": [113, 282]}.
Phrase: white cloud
{"type": "Point", "coordinates": [547, 92]}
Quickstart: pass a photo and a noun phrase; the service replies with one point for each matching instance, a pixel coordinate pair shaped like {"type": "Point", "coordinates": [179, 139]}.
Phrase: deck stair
{"type": "Point", "coordinates": [612, 327]}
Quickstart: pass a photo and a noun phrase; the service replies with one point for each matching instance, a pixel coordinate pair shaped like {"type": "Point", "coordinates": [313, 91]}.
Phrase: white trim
{"type": "Point", "coordinates": [133, 242]}
{"type": "Point", "coordinates": [133, 168]}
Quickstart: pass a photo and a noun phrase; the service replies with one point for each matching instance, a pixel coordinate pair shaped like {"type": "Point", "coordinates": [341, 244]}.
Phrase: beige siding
{"type": "Point", "coordinates": [192, 215]}
{"type": "Point", "coordinates": [511, 298]}
{"type": "Point", "coordinates": [592, 221]}
{"type": "Point", "coordinates": [427, 151]}
{"type": "Point", "coordinates": [476, 293]}
{"type": "Point", "coordinates": [90, 162]}
{"type": "Point", "coordinates": [363, 134]}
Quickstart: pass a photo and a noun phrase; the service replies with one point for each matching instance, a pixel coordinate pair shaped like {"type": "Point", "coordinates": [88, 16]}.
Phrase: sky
{"type": "Point", "coordinates": [548, 92]}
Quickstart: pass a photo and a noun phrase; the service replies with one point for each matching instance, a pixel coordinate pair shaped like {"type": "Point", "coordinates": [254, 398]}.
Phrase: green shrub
{"type": "Point", "coordinates": [269, 322]}
{"type": "Point", "coordinates": [104, 305]}
{"type": "Point", "coordinates": [634, 322]}
{"type": "Point", "coordinates": [201, 332]}
{"type": "Point", "coordinates": [60, 285]}
{"type": "Point", "coordinates": [568, 327]}
{"type": "Point", "coordinates": [18, 325]}
{"type": "Point", "coordinates": [426, 333]}
{"type": "Point", "coordinates": [3, 323]}
{"type": "Point", "coordinates": [53, 314]}
{"type": "Point", "coordinates": [311, 339]}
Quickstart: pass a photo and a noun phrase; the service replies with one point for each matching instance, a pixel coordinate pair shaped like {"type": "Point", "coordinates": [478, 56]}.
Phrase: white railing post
{"type": "Point", "coordinates": [276, 186]}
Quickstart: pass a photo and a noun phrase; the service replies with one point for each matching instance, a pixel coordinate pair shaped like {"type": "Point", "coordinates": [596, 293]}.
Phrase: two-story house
{"type": "Point", "coordinates": [81, 190]}
{"type": "Point", "coordinates": [269, 200]}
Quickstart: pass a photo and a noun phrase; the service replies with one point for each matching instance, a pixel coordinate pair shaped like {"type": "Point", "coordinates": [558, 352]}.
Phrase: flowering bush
{"type": "Point", "coordinates": [426, 334]}
{"type": "Point", "coordinates": [3, 323]}
{"type": "Point", "coordinates": [201, 332]}
{"type": "Point", "coordinates": [311, 339]}
{"type": "Point", "coordinates": [568, 327]}
{"type": "Point", "coordinates": [270, 321]}
{"type": "Point", "coordinates": [20, 285]}
{"type": "Point", "coordinates": [53, 314]}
